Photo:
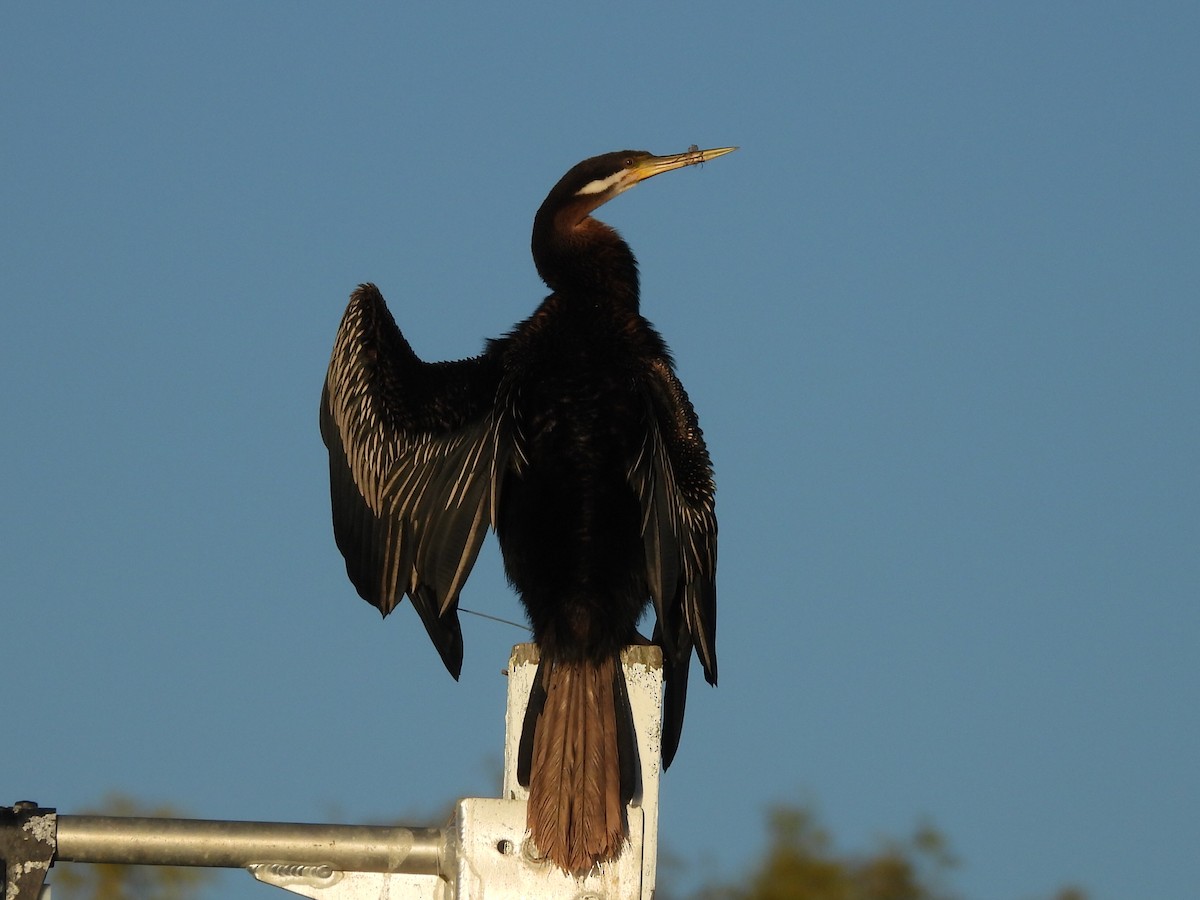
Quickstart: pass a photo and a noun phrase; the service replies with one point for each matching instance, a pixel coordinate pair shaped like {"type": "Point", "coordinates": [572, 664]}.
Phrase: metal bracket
{"type": "Point", "coordinates": [28, 841]}
{"type": "Point", "coordinates": [324, 883]}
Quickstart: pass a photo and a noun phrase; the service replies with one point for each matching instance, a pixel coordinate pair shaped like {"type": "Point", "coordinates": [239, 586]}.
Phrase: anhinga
{"type": "Point", "coordinates": [574, 439]}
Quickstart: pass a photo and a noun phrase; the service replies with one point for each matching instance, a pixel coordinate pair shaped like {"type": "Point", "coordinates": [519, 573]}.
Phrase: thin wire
{"type": "Point", "coordinates": [495, 619]}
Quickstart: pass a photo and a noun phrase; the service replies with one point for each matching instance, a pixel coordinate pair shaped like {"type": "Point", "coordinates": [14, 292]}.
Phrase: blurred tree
{"type": "Point", "coordinates": [88, 881]}
{"type": "Point", "coordinates": [801, 863]}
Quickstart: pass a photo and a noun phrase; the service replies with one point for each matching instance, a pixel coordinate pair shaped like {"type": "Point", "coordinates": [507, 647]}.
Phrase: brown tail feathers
{"type": "Point", "coordinates": [580, 762]}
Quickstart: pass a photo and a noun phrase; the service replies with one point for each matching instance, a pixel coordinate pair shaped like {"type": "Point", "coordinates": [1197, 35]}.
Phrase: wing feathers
{"type": "Point", "coordinates": [672, 476]}
{"type": "Point", "coordinates": [414, 452]}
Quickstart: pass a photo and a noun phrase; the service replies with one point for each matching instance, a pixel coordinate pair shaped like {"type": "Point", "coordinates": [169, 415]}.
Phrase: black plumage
{"type": "Point", "coordinates": [574, 439]}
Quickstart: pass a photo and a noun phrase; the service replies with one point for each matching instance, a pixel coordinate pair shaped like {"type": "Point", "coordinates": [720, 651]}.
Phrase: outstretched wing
{"type": "Point", "coordinates": [673, 480]}
{"type": "Point", "coordinates": [414, 452]}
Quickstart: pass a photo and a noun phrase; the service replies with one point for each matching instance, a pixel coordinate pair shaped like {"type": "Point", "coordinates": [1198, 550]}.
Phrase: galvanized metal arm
{"type": "Point", "coordinates": [239, 845]}
{"type": "Point", "coordinates": [31, 838]}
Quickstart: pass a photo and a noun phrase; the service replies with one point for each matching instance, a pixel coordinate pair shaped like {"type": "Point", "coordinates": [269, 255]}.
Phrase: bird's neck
{"type": "Point", "coordinates": [587, 259]}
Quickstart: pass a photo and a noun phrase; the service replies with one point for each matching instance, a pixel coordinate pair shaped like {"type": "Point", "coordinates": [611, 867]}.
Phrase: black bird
{"type": "Point", "coordinates": [574, 439]}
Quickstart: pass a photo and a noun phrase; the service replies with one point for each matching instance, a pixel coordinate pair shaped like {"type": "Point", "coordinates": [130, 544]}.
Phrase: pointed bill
{"type": "Point", "coordinates": [656, 165]}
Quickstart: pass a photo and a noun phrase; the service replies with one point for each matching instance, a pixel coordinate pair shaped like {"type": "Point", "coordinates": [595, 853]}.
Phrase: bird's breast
{"type": "Point", "coordinates": [582, 419]}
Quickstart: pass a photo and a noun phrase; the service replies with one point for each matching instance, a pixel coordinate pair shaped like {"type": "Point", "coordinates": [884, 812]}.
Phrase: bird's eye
{"type": "Point", "coordinates": [628, 162]}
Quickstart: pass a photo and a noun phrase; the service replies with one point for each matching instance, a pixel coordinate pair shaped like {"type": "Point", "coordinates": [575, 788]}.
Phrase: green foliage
{"type": "Point", "coordinates": [802, 863]}
{"type": "Point", "coordinates": [87, 881]}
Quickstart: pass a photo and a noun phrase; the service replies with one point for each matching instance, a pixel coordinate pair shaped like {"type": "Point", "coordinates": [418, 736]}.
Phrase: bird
{"type": "Point", "coordinates": [572, 438]}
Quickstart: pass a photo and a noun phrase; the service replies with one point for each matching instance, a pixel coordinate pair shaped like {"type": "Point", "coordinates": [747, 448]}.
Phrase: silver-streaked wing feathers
{"type": "Point", "coordinates": [414, 451]}
{"type": "Point", "coordinates": [673, 480]}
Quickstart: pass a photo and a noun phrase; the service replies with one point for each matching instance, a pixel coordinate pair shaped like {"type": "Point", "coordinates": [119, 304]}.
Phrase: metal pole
{"type": "Point", "coordinates": [237, 845]}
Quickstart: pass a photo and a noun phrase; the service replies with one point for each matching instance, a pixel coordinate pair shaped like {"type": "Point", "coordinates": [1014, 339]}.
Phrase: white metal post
{"type": "Point", "coordinates": [496, 859]}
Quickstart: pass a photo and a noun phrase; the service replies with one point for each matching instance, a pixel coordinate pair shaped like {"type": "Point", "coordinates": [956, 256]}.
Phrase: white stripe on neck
{"type": "Point", "coordinates": [600, 185]}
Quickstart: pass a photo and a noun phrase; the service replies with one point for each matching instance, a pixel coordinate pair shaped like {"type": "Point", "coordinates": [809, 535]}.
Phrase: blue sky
{"type": "Point", "coordinates": [938, 315]}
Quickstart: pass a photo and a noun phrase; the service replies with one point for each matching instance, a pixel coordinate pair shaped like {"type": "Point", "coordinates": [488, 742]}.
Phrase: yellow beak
{"type": "Point", "coordinates": [656, 165]}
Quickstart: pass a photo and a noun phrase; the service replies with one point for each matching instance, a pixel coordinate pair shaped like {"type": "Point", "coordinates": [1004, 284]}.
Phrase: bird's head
{"type": "Point", "coordinates": [593, 182]}
{"type": "Point", "coordinates": [567, 243]}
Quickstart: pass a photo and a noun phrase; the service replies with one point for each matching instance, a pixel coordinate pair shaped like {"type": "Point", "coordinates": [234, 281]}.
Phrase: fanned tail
{"type": "Point", "coordinates": [582, 745]}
